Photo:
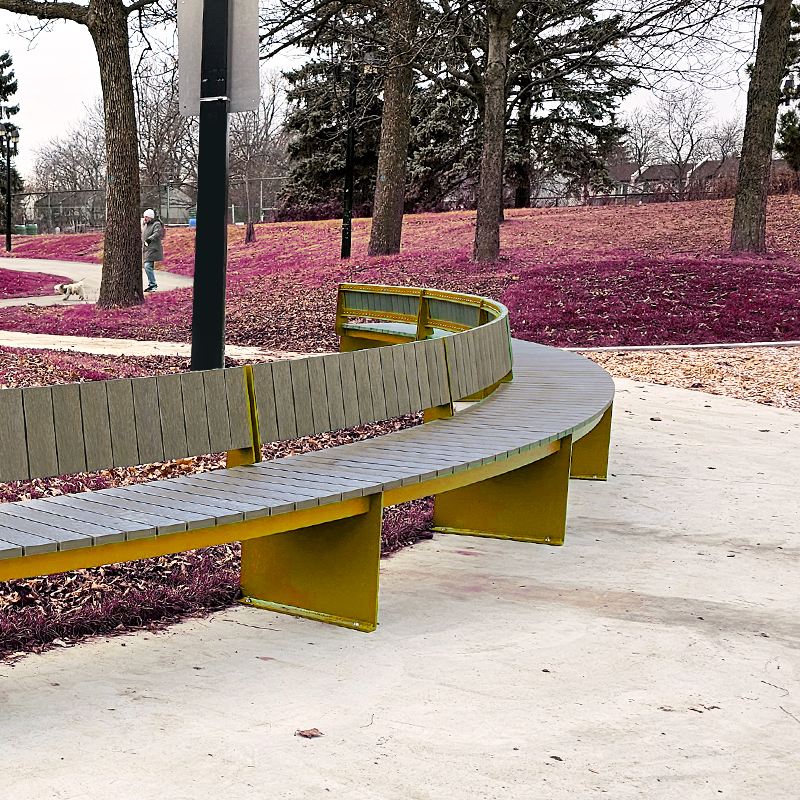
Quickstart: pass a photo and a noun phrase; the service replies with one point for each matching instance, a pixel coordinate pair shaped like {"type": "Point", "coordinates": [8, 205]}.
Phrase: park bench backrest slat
{"type": "Point", "coordinates": [318, 391]}
{"type": "Point", "coordinates": [124, 449]}
{"type": "Point", "coordinates": [70, 448]}
{"type": "Point", "coordinates": [363, 389]}
{"type": "Point", "coordinates": [193, 396]}
{"type": "Point", "coordinates": [264, 389]}
{"type": "Point", "coordinates": [13, 453]}
{"type": "Point", "coordinates": [284, 400]}
{"type": "Point", "coordinates": [96, 425]}
{"type": "Point", "coordinates": [219, 429]}
{"type": "Point", "coordinates": [238, 409]}
{"type": "Point", "coordinates": [376, 383]}
{"type": "Point", "coordinates": [347, 373]}
{"type": "Point", "coordinates": [334, 390]}
{"type": "Point", "coordinates": [386, 357]}
{"type": "Point", "coordinates": [147, 420]}
{"type": "Point", "coordinates": [40, 431]}
{"type": "Point", "coordinates": [173, 416]}
{"type": "Point", "coordinates": [301, 391]}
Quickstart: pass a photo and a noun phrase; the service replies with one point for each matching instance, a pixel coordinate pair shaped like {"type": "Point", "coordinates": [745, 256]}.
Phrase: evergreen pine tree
{"type": "Point", "coordinates": [8, 87]}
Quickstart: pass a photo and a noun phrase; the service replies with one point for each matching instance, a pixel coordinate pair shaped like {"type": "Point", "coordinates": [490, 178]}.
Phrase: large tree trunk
{"type": "Point", "coordinates": [500, 15]}
{"type": "Point", "coordinates": [748, 233]}
{"type": "Point", "coordinates": [122, 251]}
{"type": "Point", "coordinates": [390, 186]}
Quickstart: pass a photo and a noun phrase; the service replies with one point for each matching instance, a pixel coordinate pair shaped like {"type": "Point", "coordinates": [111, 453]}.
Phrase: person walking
{"type": "Point", "coordinates": [152, 249]}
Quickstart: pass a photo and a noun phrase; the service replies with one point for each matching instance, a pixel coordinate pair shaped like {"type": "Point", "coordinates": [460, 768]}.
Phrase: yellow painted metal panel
{"type": "Point", "coordinates": [528, 504]}
{"type": "Point", "coordinates": [590, 452]}
{"type": "Point", "coordinates": [327, 571]}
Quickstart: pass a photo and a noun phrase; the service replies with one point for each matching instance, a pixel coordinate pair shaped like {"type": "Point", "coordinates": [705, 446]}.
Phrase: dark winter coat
{"type": "Point", "coordinates": [152, 235]}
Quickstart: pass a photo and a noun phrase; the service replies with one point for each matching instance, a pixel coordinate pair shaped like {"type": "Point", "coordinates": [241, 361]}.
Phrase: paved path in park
{"type": "Point", "coordinates": [91, 273]}
{"type": "Point", "coordinates": [654, 655]}
{"type": "Point", "coordinates": [76, 270]}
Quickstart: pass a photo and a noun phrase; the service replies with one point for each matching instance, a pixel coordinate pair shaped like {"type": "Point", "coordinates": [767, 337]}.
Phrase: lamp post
{"type": "Point", "coordinates": [10, 135]}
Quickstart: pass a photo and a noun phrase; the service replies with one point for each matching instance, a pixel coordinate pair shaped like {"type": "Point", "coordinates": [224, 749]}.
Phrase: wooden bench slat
{"type": "Point", "coordinates": [265, 402]}
{"type": "Point", "coordinates": [13, 445]}
{"type": "Point", "coordinates": [66, 540]}
{"type": "Point", "coordinates": [401, 381]}
{"type": "Point", "coordinates": [423, 378]}
{"type": "Point", "coordinates": [9, 550]}
{"type": "Point", "coordinates": [390, 393]}
{"type": "Point", "coordinates": [98, 533]}
{"type": "Point", "coordinates": [29, 543]}
{"type": "Point", "coordinates": [172, 414]}
{"type": "Point", "coordinates": [238, 408]}
{"type": "Point", "coordinates": [376, 383]}
{"type": "Point", "coordinates": [318, 391]}
{"type": "Point", "coordinates": [124, 446]}
{"type": "Point", "coordinates": [40, 431]}
{"type": "Point", "coordinates": [412, 377]}
{"type": "Point", "coordinates": [68, 428]}
{"type": "Point", "coordinates": [350, 398]}
{"type": "Point", "coordinates": [92, 503]}
{"type": "Point", "coordinates": [284, 400]}
{"type": "Point", "coordinates": [137, 499]}
{"type": "Point", "coordinates": [334, 391]}
{"type": "Point", "coordinates": [75, 512]}
{"type": "Point", "coordinates": [96, 425]}
{"type": "Point", "coordinates": [148, 420]}
{"type": "Point", "coordinates": [195, 417]}
{"type": "Point", "coordinates": [302, 397]}
{"type": "Point", "coordinates": [219, 426]}
{"type": "Point", "coordinates": [366, 412]}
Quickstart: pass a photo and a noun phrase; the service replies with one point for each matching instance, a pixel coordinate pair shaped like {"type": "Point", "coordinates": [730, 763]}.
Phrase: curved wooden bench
{"type": "Point", "coordinates": [310, 523]}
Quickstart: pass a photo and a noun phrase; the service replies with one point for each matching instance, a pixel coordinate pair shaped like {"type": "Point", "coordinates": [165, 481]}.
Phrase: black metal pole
{"type": "Point", "coordinates": [211, 241]}
{"type": "Point", "coordinates": [8, 194]}
{"type": "Point", "coordinates": [347, 211]}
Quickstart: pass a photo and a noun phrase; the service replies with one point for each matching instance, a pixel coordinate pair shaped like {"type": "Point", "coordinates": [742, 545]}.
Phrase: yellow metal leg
{"type": "Point", "coordinates": [528, 504]}
{"type": "Point", "coordinates": [590, 452]}
{"type": "Point", "coordinates": [327, 572]}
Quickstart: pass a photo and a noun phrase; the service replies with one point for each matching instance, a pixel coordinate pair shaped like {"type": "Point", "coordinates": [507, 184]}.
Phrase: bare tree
{"type": "Point", "coordinates": [642, 139]}
{"type": "Point", "coordinates": [107, 22]}
{"type": "Point", "coordinates": [167, 140]}
{"type": "Point", "coordinates": [257, 141]}
{"type": "Point", "coordinates": [682, 118]}
{"type": "Point", "coordinates": [725, 139]}
{"type": "Point", "coordinates": [748, 233]}
{"type": "Point", "coordinates": [75, 161]}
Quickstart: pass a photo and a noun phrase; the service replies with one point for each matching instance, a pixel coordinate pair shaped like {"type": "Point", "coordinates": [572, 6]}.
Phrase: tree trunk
{"type": "Point", "coordinates": [122, 250]}
{"type": "Point", "coordinates": [390, 186]}
{"type": "Point", "coordinates": [748, 233]}
{"type": "Point", "coordinates": [500, 15]}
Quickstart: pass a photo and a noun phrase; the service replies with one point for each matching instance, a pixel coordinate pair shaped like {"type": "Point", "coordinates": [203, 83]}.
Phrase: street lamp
{"type": "Point", "coordinates": [10, 136]}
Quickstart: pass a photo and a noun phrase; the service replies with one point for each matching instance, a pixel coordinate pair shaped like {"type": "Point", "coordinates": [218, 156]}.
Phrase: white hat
{"type": "Point", "coordinates": [149, 214]}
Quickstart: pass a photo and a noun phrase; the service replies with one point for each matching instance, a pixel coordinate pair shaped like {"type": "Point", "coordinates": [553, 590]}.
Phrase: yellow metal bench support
{"type": "Point", "coordinates": [528, 504]}
{"type": "Point", "coordinates": [590, 452]}
{"type": "Point", "coordinates": [327, 572]}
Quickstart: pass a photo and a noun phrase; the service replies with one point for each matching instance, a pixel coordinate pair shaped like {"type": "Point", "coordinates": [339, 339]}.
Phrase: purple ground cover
{"type": "Point", "coordinates": [659, 274]}
{"type": "Point", "coordinates": [27, 284]}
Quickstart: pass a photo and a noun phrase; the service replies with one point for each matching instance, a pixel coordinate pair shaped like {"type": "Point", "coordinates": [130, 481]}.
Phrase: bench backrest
{"type": "Point", "coordinates": [75, 427]}
{"type": "Point", "coordinates": [59, 430]}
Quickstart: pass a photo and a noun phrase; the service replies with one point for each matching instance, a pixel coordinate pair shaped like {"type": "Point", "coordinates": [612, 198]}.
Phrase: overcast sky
{"type": "Point", "coordinates": [58, 77]}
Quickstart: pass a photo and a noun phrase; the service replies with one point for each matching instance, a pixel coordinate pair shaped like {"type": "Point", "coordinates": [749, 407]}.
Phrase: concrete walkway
{"type": "Point", "coordinates": [654, 656]}
{"type": "Point", "coordinates": [127, 347]}
{"type": "Point", "coordinates": [76, 270]}
{"type": "Point", "coordinates": [91, 273]}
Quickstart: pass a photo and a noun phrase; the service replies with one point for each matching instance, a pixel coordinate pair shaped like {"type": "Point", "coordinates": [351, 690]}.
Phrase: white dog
{"type": "Point", "coordinates": [68, 289]}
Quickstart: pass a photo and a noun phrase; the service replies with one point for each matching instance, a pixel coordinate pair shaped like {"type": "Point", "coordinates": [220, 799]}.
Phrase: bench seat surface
{"type": "Point", "coordinates": [553, 394]}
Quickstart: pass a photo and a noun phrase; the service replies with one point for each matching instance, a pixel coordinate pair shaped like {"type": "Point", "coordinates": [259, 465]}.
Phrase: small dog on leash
{"type": "Point", "coordinates": [68, 289]}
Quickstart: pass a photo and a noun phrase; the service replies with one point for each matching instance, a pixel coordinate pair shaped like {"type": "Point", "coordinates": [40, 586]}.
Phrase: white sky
{"type": "Point", "coordinates": [58, 77]}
